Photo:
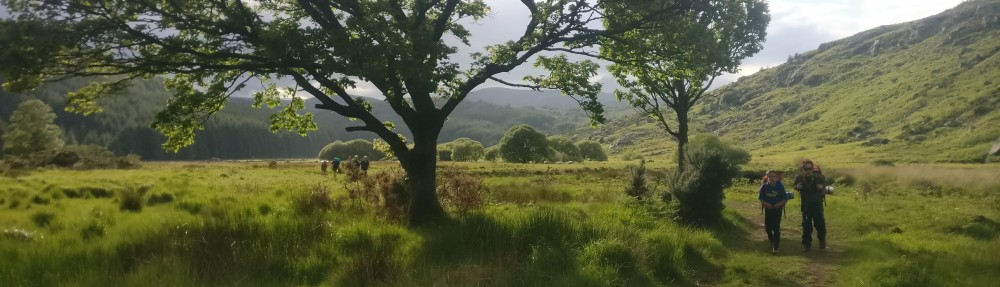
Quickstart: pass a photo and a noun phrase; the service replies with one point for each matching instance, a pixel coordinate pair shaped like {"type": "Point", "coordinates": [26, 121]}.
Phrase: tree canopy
{"type": "Point", "coordinates": [592, 150]}
{"type": "Point", "coordinates": [670, 65]}
{"type": "Point", "coordinates": [523, 144]}
{"type": "Point", "coordinates": [213, 48]}
{"type": "Point", "coordinates": [31, 130]}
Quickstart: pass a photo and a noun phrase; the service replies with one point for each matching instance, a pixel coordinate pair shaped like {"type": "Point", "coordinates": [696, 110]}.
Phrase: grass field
{"type": "Point", "coordinates": [244, 224]}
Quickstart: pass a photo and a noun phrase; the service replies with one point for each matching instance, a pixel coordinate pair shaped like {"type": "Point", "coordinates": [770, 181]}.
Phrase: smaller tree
{"type": "Point", "coordinates": [699, 189]}
{"type": "Point", "coordinates": [492, 153]}
{"type": "Point", "coordinates": [466, 149]}
{"type": "Point", "coordinates": [32, 130]}
{"type": "Point", "coordinates": [564, 149]}
{"type": "Point", "coordinates": [592, 150]}
{"type": "Point", "coordinates": [523, 144]}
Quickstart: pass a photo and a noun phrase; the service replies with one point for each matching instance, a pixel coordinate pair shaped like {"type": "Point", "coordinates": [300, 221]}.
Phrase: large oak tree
{"type": "Point", "coordinates": [210, 49]}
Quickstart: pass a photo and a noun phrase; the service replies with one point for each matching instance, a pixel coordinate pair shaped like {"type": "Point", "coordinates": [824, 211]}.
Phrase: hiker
{"type": "Point", "coordinates": [336, 165]}
{"type": "Point", "coordinates": [772, 198]}
{"type": "Point", "coordinates": [323, 167]}
{"type": "Point", "coordinates": [364, 165]}
{"type": "Point", "coordinates": [811, 187]}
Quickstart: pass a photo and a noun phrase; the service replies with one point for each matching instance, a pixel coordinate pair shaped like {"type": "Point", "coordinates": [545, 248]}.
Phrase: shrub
{"type": "Point", "coordinates": [93, 229]}
{"type": "Point", "coordinates": [698, 189]}
{"type": "Point", "coordinates": [130, 199]}
{"type": "Point", "coordinates": [638, 188]}
{"type": "Point", "coordinates": [314, 201]}
{"type": "Point", "coordinates": [386, 191]}
{"type": "Point", "coordinates": [160, 198]}
{"type": "Point", "coordinates": [523, 144]}
{"type": "Point", "coordinates": [492, 153]}
{"type": "Point", "coordinates": [190, 206]}
{"type": "Point", "coordinates": [592, 150]}
{"type": "Point", "coordinates": [41, 199]}
{"type": "Point", "coordinates": [883, 162]}
{"type": "Point", "coordinates": [42, 218]}
{"type": "Point", "coordinates": [345, 150]}
{"type": "Point", "coordinates": [564, 148]}
{"type": "Point", "coordinates": [466, 149]}
{"type": "Point", "coordinates": [444, 154]}
{"type": "Point", "coordinates": [460, 190]}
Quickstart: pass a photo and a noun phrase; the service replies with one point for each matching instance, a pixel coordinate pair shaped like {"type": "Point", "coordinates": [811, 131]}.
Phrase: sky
{"type": "Point", "coordinates": [796, 26]}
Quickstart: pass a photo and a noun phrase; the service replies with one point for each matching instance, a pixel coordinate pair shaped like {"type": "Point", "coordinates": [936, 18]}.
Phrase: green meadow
{"type": "Point", "coordinates": [245, 224]}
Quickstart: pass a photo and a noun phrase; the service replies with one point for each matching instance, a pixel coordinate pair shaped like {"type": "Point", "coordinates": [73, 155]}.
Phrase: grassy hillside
{"type": "Point", "coordinates": [922, 91]}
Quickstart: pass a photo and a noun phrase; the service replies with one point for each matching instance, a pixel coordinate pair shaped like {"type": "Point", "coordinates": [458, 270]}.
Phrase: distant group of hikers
{"type": "Point", "coordinates": [812, 187]}
{"type": "Point", "coordinates": [354, 162]}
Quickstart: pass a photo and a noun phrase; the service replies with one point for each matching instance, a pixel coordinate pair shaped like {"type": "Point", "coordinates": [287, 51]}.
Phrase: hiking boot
{"type": "Point", "coordinates": [822, 245]}
{"type": "Point", "coordinates": [774, 250]}
{"type": "Point", "coordinates": [806, 248]}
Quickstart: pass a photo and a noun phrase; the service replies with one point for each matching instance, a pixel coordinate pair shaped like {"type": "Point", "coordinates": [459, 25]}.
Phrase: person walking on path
{"type": "Point", "coordinates": [811, 187]}
{"type": "Point", "coordinates": [772, 198]}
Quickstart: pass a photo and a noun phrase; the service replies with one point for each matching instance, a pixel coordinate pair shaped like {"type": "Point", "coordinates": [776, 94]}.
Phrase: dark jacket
{"type": "Point", "coordinates": [808, 191]}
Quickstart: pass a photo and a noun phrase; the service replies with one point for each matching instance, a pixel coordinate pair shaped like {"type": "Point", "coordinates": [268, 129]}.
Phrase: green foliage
{"type": "Point", "coordinates": [638, 188]}
{"type": "Point", "coordinates": [31, 131]}
{"type": "Point", "coordinates": [703, 44]}
{"type": "Point", "coordinates": [699, 189]}
{"type": "Point", "coordinates": [563, 149]}
{"type": "Point", "coordinates": [492, 153]}
{"type": "Point", "coordinates": [522, 144]}
{"type": "Point", "coordinates": [130, 199]}
{"type": "Point", "coordinates": [465, 149]}
{"type": "Point", "coordinates": [444, 154]}
{"type": "Point", "coordinates": [592, 150]}
{"type": "Point", "coordinates": [346, 150]}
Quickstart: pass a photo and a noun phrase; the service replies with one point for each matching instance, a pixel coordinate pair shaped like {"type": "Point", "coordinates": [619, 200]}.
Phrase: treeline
{"type": "Point", "coordinates": [242, 132]}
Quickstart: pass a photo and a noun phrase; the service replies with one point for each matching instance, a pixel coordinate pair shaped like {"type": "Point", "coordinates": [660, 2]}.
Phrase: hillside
{"type": "Point", "coordinates": [921, 91]}
{"type": "Point", "coordinates": [543, 99]}
{"type": "Point", "coordinates": [241, 132]}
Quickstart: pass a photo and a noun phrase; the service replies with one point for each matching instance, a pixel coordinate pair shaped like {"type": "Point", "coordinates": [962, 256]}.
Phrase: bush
{"type": "Point", "coordinates": [386, 191]}
{"type": "Point", "coordinates": [883, 162]}
{"type": "Point", "coordinates": [130, 199]}
{"type": "Point", "coordinates": [698, 189]}
{"type": "Point", "coordinates": [460, 190]}
{"type": "Point", "coordinates": [160, 198]}
{"type": "Point", "coordinates": [42, 218]}
{"type": "Point", "coordinates": [523, 144]}
{"type": "Point", "coordinates": [465, 149]}
{"type": "Point", "coordinates": [492, 153]}
{"type": "Point", "coordinates": [314, 201]}
{"type": "Point", "coordinates": [638, 188]}
{"type": "Point", "coordinates": [444, 154]}
{"type": "Point", "coordinates": [592, 150]}
{"type": "Point", "coordinates": [563, 149]}
{"type": "Point", "coordinates": [345, 150]}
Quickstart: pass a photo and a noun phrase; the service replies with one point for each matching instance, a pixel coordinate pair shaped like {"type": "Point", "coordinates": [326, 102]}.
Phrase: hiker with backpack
{"type": "Point", "coordinates": [772, 198]}
{"type": "Point", "coordinates": [811, 187]}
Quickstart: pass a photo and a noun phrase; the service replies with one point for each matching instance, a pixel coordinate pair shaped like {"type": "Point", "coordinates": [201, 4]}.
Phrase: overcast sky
{"type": "Point", "coordinates": [796, 26]}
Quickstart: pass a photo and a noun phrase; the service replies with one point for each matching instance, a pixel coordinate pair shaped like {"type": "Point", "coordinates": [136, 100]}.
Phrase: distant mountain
{"type": "Point", "coordinates": [241, 132]}
{"type": "Point", "coordinates": [540, 99]}
{"type": "Point", "coordinates": [921, 91]}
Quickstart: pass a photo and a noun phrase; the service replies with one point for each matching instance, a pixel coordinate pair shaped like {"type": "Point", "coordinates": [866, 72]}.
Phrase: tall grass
{"type": "Point", "coordinates": [544, 229]}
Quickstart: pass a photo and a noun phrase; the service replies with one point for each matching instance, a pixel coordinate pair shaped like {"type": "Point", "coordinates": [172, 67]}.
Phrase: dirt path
{"type": "Point", "coordinates": [820, 263]}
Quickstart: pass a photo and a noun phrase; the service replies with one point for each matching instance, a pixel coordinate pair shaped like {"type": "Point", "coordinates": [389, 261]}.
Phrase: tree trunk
{"type": "Point", "coordinates": [421, 174]}
{"type": "Point", "coordinates": [682, 128]}
{"type": "Point", "coordinates": [682, 140]}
